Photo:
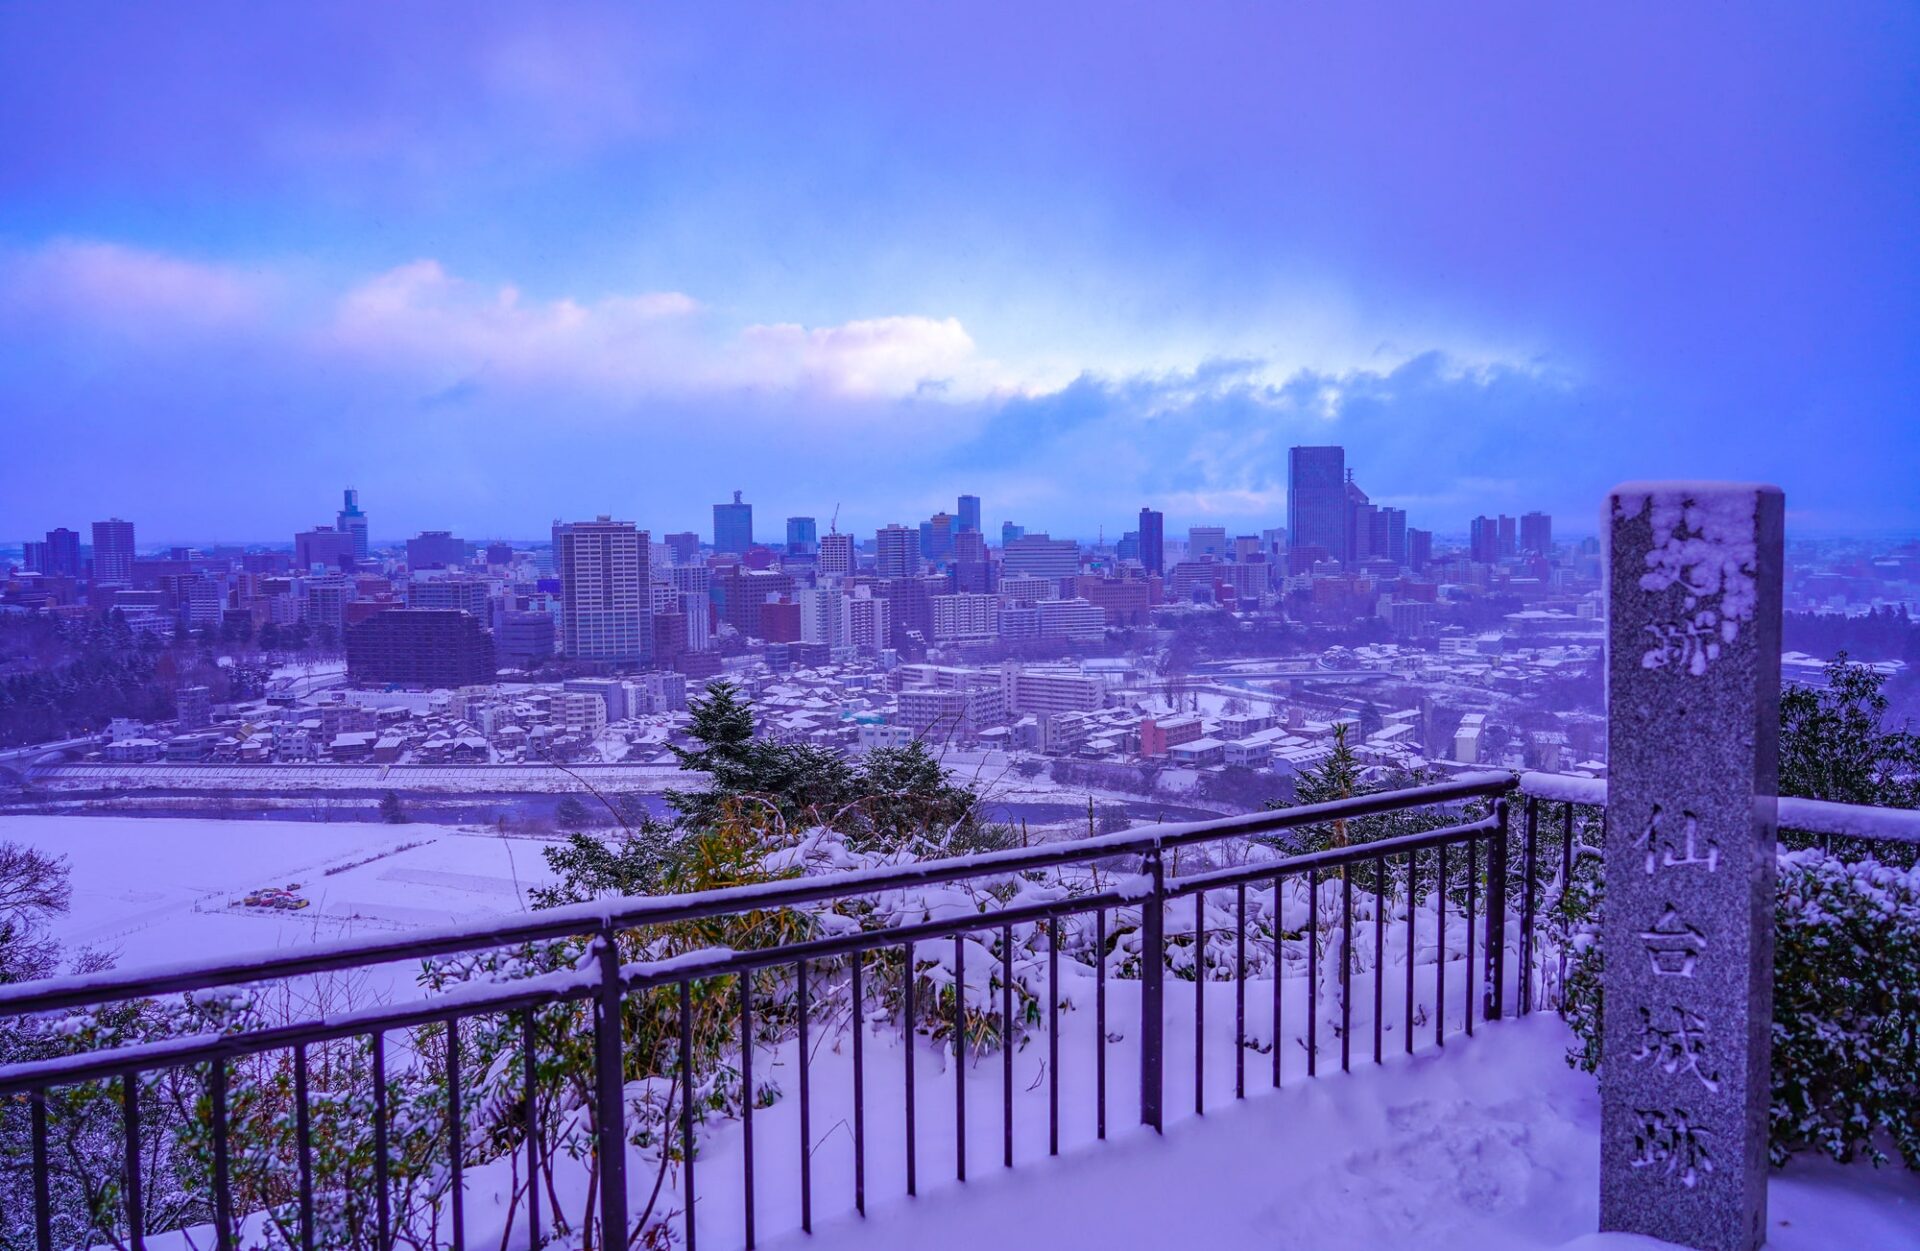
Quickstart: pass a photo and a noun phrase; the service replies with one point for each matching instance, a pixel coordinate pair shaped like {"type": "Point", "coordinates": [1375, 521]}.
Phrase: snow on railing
{"type": "Point", "coordinates": [1815, 816]}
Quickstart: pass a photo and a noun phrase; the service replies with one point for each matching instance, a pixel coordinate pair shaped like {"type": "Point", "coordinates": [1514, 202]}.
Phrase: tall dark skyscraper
{"type": "Point", "coordinates": [732, 526]}
{"type": "Point", "coordinates": [62, 553]}
{"type": "Point", "coordinates": [1536, 533]}
{"type": "Point", "coordinates": [1389, 536]}
{"type": "Point", "coordinates": [1483, 540]}
{"type": "Point", "coordinates": [1153, 547]}
{"type": "Point", "coordinates": [351, 521]}
{"type": "Point", "coordinates": [1419, 549]}
{"type": "Point", "coordinates": [969, 512]}
{"type": "Point", "coordinates": [113, 552]}
{"type": "Point", "coordinates": [802, 536]}
{"type": "Point", "coordinates": [1317, 513]}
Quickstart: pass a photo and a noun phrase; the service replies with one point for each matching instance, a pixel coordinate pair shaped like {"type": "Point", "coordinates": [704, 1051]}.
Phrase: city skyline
{"type": "Point", "coordinates": [354, 531]}
{"type": "Point", "coordinates": [529, 265]}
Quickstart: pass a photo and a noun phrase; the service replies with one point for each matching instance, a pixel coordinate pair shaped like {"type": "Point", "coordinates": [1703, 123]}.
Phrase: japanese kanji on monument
{"type": "Point", "coordinates": [1693, 681]}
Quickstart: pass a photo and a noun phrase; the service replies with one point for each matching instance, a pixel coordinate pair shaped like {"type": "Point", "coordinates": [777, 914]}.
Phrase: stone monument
{"type": "Point", "coordinates": [1693, 686]}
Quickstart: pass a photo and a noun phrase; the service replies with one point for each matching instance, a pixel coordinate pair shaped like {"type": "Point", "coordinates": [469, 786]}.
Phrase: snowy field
{"type": "Point", "coordinates": [155, 889]}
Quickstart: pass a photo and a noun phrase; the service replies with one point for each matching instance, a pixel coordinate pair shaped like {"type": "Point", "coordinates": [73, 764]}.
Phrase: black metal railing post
{"type": "Point", "coordinates": [1153, 987]}
{"type": "Point", "coordinates": [610, 1094]}
{"type": "Point", "coordinates": [1529, 840]}
{"type": "Point", "coordinates": [1496, 950]}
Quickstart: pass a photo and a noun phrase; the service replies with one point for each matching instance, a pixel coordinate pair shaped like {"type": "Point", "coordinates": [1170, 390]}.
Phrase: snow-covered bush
{"type": "Point", "coordinates": [1846, 1006]}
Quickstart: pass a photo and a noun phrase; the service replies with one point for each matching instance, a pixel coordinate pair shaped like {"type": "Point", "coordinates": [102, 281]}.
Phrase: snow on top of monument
{"type": "Point", "coordinates": [1703, 542]}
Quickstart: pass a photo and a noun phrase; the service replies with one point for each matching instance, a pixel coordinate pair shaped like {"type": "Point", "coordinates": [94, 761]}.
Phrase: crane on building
{"type": "Point", "coordinates": [833, 524]}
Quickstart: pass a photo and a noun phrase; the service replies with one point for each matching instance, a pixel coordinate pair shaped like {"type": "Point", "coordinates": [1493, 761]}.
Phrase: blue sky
{"type": "Point", "coordinates": [497, 265]}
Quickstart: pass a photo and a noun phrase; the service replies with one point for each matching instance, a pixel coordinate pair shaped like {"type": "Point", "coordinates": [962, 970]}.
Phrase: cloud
{"type": "Point", "coordinates": [478, 406]}
{"type": "Point", "coordinates": [111, 286]}
{"type": "Point", "coordinates": [879, 356]}
{"type": "Point", "coordinates": [418, 316]}
{"type": "Point", "coordinates": [420, 323]}
{"type": "Point", "coordinates": [1210, 443]}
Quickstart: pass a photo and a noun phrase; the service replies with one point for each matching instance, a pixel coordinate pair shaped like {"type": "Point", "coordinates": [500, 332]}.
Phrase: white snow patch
{"type": "Point", "coordinates": [1703, 541]}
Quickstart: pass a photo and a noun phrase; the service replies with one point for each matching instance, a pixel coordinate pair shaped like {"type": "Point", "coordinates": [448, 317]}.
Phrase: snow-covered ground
{"type": "Point", "coordinates": [1491, 1145]}
{"type": "Point", "coordinates": [155, 889]}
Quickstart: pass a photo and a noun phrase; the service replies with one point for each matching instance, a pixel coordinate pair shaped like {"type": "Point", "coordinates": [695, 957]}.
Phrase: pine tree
{"type": "Point", "coordinates": [1338, 777]}
{"type": "Point", "coordinates": [722, 724]}
{"type": "Point", "coordinates": [390, 809]}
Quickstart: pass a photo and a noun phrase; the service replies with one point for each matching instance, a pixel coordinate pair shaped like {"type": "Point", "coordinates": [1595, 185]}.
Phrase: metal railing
{"type": "Point", "coordinates": [1550, 800]}
{"type": "Point", "coordinates": [1466, 867]}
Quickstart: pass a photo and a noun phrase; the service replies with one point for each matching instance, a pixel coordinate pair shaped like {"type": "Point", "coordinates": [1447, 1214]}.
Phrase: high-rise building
{"type": "Point", "coordinates": [936, 537]}
{"type": "Point", "coordinates": [473, 596]}
{"type": "Point", "coordinates": [351, 521]}
{"type": "Point", "coordinates": [1206, 543]}
{"type": "Point", "coordinates": [60, 558]}
{"type": "Point", "coordinates": [1536, 533]}
{"type": "Point", "coordinates": [836, 555]}
{"type": "Point", "coordinates": [965, 618]}
{"type": "Point", "coordinates": [113, 552]}
{"type": "Point", "coordinates": [780, 621]}
{"type": "Point", "coordinates": [323, 546]}
{"type": "Point", "coordinates": [910, 609]}
{"type": "Point", "coordinates": [201, 599]}
{"type": "Point", "coordinates": [869, 623]}
{"type": "Point", "coordinates": [436, 549]}
{"type": "Point", "coordinates": [683, 548]}
{"type": "Point", "coordinates": [802, 536]}
{"type": "Point", "coordinates": [732, 526]}
{"type": "Point", "coordinates": [325, 600]}
{"type": "Point", "coordinates": [603, 590]}
{"type": "Point", "coordinates": [1317, 499]}
{"type": "Point", "coordinates": [1386, 534]}
{"type": "Point", "coordinates": [697, 608]}
{"type": "Point", "coordinates": [969, 511]}
{"type": "Point", "coordinates": [897, 549]}
{"type": "Point", "coordinates": [1483, 540]}
{"type": "Point", "coordinates": [1419, 549]}
{"type": "Point", "coordinates": [1009, 532]}
{"type": "Point", "coordinates": [1041, 556]}
{"type": "Point", "coordinates": [1360, 512]}
{"type": "Point", "coordinates": [823, 615]}
{"type": "Point", "coordinates": [523, 639]}
{"type": "Point", "coordinates": [1153, 548]}
{"type": "Point", "coordinates": [436, 648]}
{"type": "Point", "coordinates": [971, 569]}
{"type": "Point", "coordinates": [1509, 536]}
